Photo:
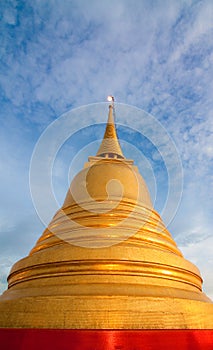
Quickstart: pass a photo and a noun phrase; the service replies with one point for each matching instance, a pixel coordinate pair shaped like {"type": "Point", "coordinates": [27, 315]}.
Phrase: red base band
{"type": "Point", "coordinates": [39, 339]}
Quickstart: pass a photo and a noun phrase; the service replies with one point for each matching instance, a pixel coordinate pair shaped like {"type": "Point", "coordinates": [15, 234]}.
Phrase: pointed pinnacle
{"type": "Point", "coordinates": [110, 146]}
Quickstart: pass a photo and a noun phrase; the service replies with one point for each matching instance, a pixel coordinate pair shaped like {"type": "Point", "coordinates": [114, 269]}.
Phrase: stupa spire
{"type": "Point", "coordinates": [110, 146]}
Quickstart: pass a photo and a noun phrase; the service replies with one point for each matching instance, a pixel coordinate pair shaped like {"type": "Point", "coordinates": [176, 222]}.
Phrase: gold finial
{"type": "Point", "coordinates": [111, 98]}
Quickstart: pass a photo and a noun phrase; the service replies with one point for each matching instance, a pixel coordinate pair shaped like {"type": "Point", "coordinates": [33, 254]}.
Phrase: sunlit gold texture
{"type": "Point", "coordinates": [106, 260]}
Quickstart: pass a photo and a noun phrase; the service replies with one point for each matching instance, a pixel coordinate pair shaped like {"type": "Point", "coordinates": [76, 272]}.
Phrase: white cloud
{"type": "Point", "coordinates": [200, 254]}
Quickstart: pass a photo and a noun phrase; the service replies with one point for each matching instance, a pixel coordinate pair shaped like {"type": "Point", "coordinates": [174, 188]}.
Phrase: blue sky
{"type": "Point", "coordinates": [156, 56]}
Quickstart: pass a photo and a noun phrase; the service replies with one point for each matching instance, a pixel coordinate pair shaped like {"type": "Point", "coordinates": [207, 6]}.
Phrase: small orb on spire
{"type": "Point", "coordinates": [110, 98]}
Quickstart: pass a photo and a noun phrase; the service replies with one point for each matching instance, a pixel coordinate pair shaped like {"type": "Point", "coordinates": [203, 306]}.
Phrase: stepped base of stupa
{"type": "Point", "coordinates": [107, 312]}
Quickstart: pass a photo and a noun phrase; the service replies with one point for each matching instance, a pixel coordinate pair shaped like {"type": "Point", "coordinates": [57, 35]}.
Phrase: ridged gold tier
{"type": "Point", "coordinates": [106, 261]}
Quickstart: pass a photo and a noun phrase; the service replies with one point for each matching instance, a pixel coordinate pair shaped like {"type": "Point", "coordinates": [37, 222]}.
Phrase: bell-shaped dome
{"type": "Point", "coordinates": [106, 260]}
{"type": "Point", "coordinates": [108, 179]}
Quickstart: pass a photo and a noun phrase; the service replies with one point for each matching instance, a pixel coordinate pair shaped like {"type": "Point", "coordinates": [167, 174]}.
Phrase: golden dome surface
{"type": "Point", "coordinates": [106, 260]}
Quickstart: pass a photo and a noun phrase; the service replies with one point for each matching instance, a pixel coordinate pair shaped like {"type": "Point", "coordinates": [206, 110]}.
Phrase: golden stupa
{"type": "Point", "coordinates": [106, 260]}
